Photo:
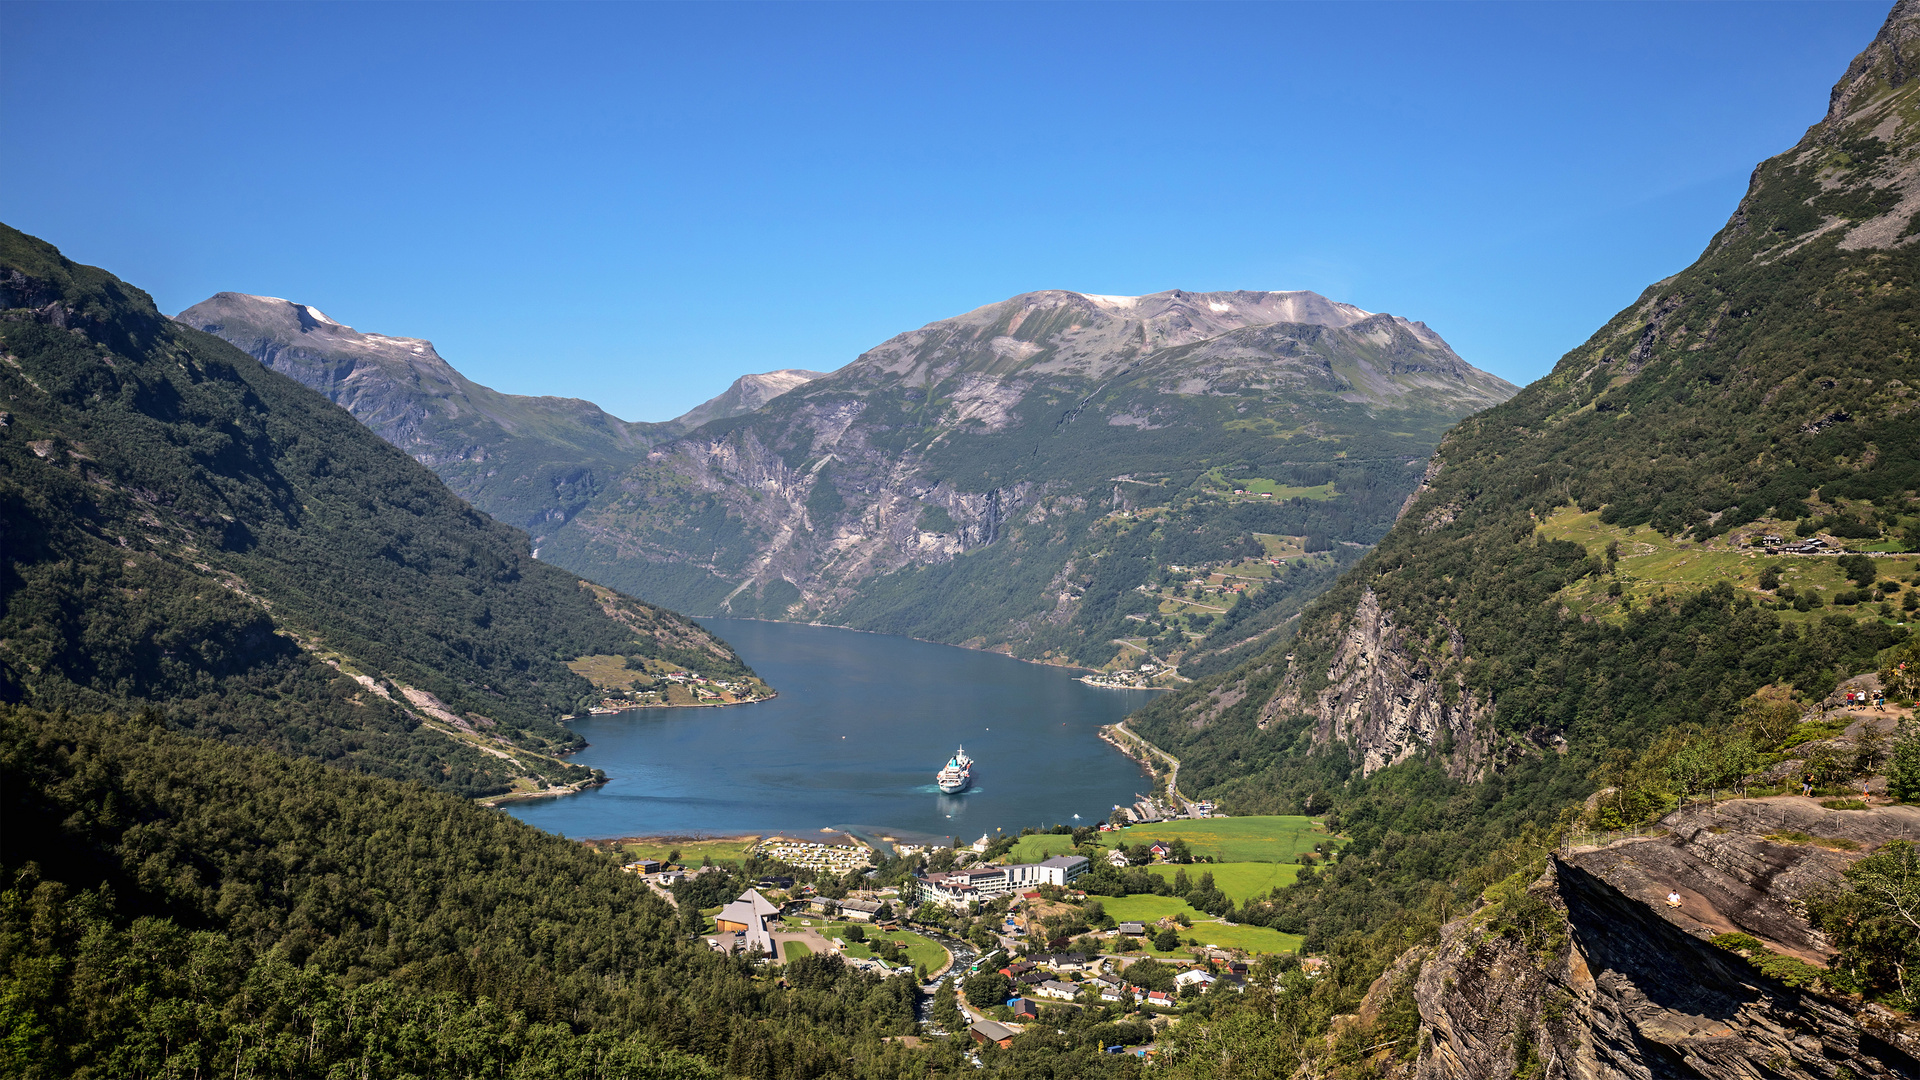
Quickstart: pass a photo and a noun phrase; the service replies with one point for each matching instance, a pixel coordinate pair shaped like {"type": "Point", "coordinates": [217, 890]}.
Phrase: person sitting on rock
{"type": "Point", "coordinates": [1673, 898]}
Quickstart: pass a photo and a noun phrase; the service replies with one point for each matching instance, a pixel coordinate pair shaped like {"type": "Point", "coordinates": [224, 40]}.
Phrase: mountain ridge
{"type": "Point", "coordinates": [733, 515]}
{"type": "Point", "coordinates": [945, 440]}
{"type": "Point", "coordinates": [188, 531]}
{"type": "Point", "coordinates": [1600, 584]}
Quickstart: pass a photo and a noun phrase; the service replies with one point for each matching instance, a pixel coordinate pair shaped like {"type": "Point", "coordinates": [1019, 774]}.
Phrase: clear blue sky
{"type": "Point", "coordinates": [636, 203]}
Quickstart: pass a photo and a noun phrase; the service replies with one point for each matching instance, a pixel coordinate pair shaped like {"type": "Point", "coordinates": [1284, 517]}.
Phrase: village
{"type": "Point", "coordinates": [999, 931]}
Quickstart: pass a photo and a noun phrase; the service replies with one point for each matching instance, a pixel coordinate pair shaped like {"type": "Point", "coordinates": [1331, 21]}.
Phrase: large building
{"type": "Point", "coordinates": [958, 888]}
{"type": "Point", "coordinates": [742, 925]}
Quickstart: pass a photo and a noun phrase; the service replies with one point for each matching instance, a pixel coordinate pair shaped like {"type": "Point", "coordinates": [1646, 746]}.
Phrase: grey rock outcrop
{"type": "Point", "coordinates": [1618, 984]}
{"type": "Point", "coordinates": [1391, 696]}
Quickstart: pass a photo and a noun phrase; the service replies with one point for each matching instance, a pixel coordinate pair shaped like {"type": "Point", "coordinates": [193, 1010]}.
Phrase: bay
{"type": "Point", "coordinates": [861, 723]}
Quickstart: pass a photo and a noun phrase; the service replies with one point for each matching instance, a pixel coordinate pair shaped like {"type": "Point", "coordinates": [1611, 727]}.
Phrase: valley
{"type": "Point", "coordinates": [1337, 710]}
{"type": "Point", "coordinates": [1051, 454]}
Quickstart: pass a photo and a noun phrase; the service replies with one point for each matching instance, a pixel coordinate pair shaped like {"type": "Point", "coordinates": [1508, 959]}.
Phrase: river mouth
{"type": "Point", "coordinates": [861, 724]}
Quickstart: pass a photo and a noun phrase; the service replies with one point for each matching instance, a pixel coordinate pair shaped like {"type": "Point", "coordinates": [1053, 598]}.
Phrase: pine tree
{"type": "Point", "coordinates": [1903, 765]}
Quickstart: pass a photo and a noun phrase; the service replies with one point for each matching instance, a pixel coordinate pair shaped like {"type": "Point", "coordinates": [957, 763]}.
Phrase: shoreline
{"type": "Point", "coordinates": [1094, 680]}
{"type": "Point", "coordinates": [575, 788]}
{"type": "Point", "coordinates": [1145, 758]}
{"type": "Point", "coordinates": [675, 838]}
{"type": "Point", "coordinates": [881, 633]}
{"type": "Point", "coordinates": [692, 705]}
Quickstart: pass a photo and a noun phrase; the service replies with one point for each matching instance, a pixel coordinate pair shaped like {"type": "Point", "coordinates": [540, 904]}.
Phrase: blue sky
{"type": "Point", "coordinates": [636, 203]}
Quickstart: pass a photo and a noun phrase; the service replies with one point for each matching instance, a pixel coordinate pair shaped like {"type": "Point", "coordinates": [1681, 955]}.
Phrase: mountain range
{"type": "Point", "coordinates": [532, 462]}
{"type": "Point", "coordinates": [1007, 452]}
{"type": "Point", "coordinates": [189, 532]}
{"type": "Point", "coordinates": [1513, 677]}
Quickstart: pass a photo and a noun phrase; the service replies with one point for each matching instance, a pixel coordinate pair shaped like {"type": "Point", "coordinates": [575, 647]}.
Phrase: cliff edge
{"type": "Point", "coordinates": [1590, 971]}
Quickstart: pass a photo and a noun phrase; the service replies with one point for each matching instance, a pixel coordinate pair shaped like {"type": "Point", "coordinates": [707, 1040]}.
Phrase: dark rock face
{"type": "Point", "coordinates": [1621, 985]}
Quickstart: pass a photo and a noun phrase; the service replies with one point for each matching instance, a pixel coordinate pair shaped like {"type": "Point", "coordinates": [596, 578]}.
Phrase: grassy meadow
{"type": "Point", "coordinates": [1240, 881]}
{"type": "Point", "coordinates": [1265, 839]}
{"type": "Point", "coordinates": [921, 951]}
{"type": "Point", "coordinates": [725, 851]}
{"type": "Point", "coordinates": [1651, 564]}
{"type": "Point", "coordinates": [1205, 929]}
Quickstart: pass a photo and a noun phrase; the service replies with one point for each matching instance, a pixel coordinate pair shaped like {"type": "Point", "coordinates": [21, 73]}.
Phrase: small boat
{"type": "Point", "coordinates": [957, 775]}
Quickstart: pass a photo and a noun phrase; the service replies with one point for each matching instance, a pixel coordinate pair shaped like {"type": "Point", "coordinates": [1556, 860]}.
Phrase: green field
{"type": "Point", "coordinates": [1651, 564]}
{"type": "Point", "coordinates": [921, 952]}
{"type": "Point", "coordinates": [730, 851]}
{"type": "Point", "coordinates": [1277, 839]}
{"type": "Point", "coordinates": [1241, 881]}
{"type": "Point", "coordinates": [1148, 908]}
{"type": "Point", "coordinates": [1254, 939]}
{"type": "Point", "coordinates": [794, 950]}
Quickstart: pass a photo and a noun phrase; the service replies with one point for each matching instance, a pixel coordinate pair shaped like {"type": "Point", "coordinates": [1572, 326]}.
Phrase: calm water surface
{"type": "Point", "coordinates": [853, 740]}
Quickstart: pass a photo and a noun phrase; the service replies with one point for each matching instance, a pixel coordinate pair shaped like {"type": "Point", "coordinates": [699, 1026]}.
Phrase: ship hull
{"type": "Point", "coordinates": [954, 787]}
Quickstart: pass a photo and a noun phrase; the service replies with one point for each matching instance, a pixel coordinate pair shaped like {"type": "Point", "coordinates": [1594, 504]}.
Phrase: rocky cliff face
{"type": "Point", "coordinates": [533, 462]}
{"type": "Point", "coordinates": [1391, 695]}
{"type": "Point", "coordinates": [1025, 427]}
{"type": "Point", "coordinates": [1607, 980]}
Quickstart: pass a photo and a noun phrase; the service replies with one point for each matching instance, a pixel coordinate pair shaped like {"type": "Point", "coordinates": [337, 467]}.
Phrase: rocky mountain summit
{"type": "Point", "coordinates": [747, 394]}
{"type": "Point", "coordinates": [983, 448]}
{"type": "Point", "coordinates": [531, 461]}
{"type": "Point", "coordinates": [994, 447]}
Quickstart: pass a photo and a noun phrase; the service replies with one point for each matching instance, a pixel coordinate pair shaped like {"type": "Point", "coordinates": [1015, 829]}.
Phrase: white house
{"type": "Point", "coordinates": [956, 888]}
{"type": "Point", "coordinates": [1054, 989]}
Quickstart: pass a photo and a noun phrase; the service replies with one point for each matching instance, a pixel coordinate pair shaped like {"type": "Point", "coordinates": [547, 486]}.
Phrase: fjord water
{"type": "Point", "coordinates": [861, 723]}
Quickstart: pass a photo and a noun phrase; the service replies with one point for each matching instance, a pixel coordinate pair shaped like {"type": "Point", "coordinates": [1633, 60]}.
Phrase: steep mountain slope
{"type": "Point", "coordinates": [185, 529]}
{"type": "Point", "coordinates": [747, 394]}
{"type": "Point", "coordinates": [1765, 390]}
{"type": "Point", "coordinates": [1052, 458]}
{"type": "Point", "coordinates": [172, 907]}
{"type": "Point", "coordinates": [532, 462]}
{"type": "Point", "coordinates": [1598, 583]}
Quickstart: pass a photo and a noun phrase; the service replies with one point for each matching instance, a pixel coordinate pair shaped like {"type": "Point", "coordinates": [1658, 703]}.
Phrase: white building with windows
{"type": "Point", "coordinates": [958, 888]}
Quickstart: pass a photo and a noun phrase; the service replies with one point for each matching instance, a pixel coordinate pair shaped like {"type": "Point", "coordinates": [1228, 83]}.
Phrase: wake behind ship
{"type": "Point", "coordinates": [957, 775]}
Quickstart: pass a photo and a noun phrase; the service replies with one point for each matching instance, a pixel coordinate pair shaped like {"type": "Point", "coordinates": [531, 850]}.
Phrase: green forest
{"type": "Point", "coordinates": [1767, 392]}
{"type": "Point", "coordinates": [174, 907]}
{"type": "Point", "coordinates": [187, 531]}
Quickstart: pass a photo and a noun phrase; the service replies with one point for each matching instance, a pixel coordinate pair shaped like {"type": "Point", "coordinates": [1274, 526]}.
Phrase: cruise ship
{"type": "Point", "coordinates": [957, 774]}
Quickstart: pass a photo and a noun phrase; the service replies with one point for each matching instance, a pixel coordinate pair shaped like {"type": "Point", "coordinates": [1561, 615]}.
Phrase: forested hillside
{"type": "Point", "coordinates": [173, 907]}
{"type": "Point", "coordinates": [187, 531]}
{"type": "Point", "coordinates": [1615, 572]}
{"type": "Point", "coordinates": [1497, 634]}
